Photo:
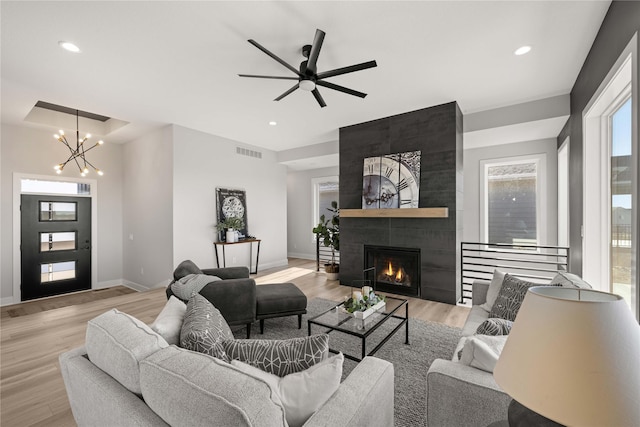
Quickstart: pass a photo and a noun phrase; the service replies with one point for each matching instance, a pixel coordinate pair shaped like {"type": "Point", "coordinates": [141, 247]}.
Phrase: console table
{"type": "Point", "coordinates": [249, 241]}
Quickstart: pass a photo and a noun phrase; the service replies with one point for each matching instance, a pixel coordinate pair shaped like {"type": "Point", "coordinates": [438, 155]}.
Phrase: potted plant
{"type": "Point", "coordinates": [328, 233]}
{"type": "Point", "coordinates": [231, 224]}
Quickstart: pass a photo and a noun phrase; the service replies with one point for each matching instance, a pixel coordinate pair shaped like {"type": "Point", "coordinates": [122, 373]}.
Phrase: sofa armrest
{"type": "Point", "coordinates": [364, 398]}
{"type": "Point", "coordinates": [228, 272]}
{"type": "Point", "coordinates": [479, 290]}
{"type": "Point", "coordinates": [459, 395]}
{"type": "Point", "coordinates": [235, 298]}
{"type": "Point", "coordinates": [98, 399]}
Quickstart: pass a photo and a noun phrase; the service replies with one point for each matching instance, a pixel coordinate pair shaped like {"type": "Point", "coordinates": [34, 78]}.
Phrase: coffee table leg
{"type": "Point", "coordinates": [406, 313]}
{"type": "Point", "coordinates": [364, 347]}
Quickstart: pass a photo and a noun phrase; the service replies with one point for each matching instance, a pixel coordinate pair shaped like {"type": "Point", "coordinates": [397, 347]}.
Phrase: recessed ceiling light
{"type": "Point", "coordinates": [522, 50]}
{"type": "Point", "coordinates": [69, 46]}
{"type": "Point", "coordinates": [272, 123]}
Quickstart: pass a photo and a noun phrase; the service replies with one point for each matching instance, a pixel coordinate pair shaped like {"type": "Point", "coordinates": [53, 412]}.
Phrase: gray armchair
{"type": "Point", "coordinates": [234, 295]}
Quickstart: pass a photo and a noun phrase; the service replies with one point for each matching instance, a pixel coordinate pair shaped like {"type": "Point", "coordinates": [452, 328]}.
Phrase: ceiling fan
{"type": "Point", "coordinates": [307, 75]}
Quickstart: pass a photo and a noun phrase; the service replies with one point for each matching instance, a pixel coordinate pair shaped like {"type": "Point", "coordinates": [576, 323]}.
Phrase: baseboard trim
{"type": "Point", "coordinates": [6, 301]}
{"type": "Point", "coordinates": [108, 284]}
{"type": "Point", "coordinates": [268, 265]}
{"type": "Point", "coordinates": [301, 255]}
{"type": "Point", "coordinates": [142, 288]}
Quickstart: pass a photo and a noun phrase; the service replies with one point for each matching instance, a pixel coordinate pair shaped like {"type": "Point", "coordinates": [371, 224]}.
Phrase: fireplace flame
{"type": "Point", "coordinates": [390, 270]}
{"type": "Point", "coordinates": [399, 275]}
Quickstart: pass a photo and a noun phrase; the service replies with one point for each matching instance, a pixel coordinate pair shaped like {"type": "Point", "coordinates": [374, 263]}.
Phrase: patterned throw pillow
{"type": "Point", "coordinates": [494, 326]}
{"type": "Point", "coordinates": [280, 357]}
{"type": "Point", "coordinates": [510, 297]}
{"type": "Point", "coordinates": [204, 328]}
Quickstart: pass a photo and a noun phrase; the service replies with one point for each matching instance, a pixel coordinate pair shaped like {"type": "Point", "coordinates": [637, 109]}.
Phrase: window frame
{"type": "Point", "coordinates": [315, 194]}
{"type": "Point", "coordinates": [540, 159]}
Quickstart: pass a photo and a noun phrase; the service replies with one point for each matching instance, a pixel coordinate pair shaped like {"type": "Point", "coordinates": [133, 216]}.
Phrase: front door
{"type": "Point", "coordinates": [55, 245]}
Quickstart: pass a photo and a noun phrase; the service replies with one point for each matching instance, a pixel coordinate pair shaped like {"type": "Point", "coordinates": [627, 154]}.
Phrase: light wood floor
{"type": "Point", "coordinates": [33, 334]}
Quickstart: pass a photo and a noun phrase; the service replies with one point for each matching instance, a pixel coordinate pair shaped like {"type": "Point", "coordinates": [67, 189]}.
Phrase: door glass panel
{"type": "Point", "coordinates": [621, 195]}
{"type": "Point", "coordinates": [57, 211]}
{"type": "Point", "coordinates": [50, 242]}
{"type": "Point", "coordinates": [52, 272]}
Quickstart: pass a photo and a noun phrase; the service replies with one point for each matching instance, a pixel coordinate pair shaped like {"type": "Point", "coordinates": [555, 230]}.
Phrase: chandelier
{"type": "Point", "coordinates": [77, 154]}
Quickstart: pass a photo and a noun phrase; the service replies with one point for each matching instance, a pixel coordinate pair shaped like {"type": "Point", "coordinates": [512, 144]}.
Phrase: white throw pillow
{"type": "Point", "coordinates": [483, 351]}
{"type": "Point", "coordinates": [169, 321]}
{"type": "Point", "coordinates": [494, 289]}
{"type": "Point", "coordinates": [301, 393]}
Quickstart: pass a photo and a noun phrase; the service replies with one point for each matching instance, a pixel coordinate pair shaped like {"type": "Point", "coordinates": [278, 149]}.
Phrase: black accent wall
{"type": "Point", "coordinates": [437, 133]}
{"type": "Point", "coordinates": [621, 22]}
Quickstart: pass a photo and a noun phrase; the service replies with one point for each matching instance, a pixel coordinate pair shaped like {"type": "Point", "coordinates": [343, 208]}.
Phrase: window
{"type": "Point", "coordinates": [513, 200]}
{"type": "Point", "coordinates": [325, 190]}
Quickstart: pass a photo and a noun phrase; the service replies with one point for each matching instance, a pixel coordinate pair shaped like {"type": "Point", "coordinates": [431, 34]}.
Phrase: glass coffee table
{"type": "Point", "coordinates": [336, 319]}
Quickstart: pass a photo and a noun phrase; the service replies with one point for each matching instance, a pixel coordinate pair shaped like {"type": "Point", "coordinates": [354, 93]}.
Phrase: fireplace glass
{"type": "Point", "coordinates": [395, 270]}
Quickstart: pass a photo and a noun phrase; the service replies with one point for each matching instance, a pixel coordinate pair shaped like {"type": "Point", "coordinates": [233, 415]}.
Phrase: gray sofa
{"type": "Point", "coordinates": [167, 385]}
{"type": "Point", "coordinates": [460, 395]}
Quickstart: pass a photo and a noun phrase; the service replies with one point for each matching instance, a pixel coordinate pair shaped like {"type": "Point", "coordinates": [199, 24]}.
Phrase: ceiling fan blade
{"type": "Point", "coordinates": [345, 70]}
{"type": "Point", "coordinates": [318, 97]}
{"type": "Point", "coordinates": [315, 51]}
{"type": "Point", "coordinates": [287, 92]}
{"type": "Point", "coordinates": [269, 77]}
{"type": "Point", "coordinates": [340, 88]}
{"type": "Point", "coordinates": [272, 55]}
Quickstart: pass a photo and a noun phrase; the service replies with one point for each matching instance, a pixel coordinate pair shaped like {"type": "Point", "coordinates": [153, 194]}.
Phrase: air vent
{"type": "Point", "coordinates": [248, 153]}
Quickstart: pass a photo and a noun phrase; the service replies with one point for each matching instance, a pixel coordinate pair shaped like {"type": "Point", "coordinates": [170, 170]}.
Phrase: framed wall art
{"type": "Point", "coordinates": [231, 203]}
{"type": "Point", "coordinates": [391, 181]}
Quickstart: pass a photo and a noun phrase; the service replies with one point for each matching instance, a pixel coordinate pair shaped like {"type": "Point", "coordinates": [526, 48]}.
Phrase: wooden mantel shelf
{"type": "Point", "coordinates": [395, 213]}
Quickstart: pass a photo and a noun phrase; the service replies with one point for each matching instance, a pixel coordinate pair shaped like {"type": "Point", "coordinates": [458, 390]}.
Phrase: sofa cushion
{"type": "Point", "coordinates": [185, 268]}
{"type": "Point", "coordinates": [189, 285]}
{"type": "Point", "coordinates": [569, 280]}
{"type": "Point", "coordinates": [482, 351]}
{"type": "Point", "coordinates": [495, 326]}
{"type": "Point", "coordinates": [169, 322]}
{"type": "Point", "coordinates": [116, 343]}
{"type": "Point", "coordinates": [280, 357]}
{"type": "Point", "coordinates": [204, 328]}
{"type": "Point", "coordinates": [510, 297]}
{"type": "Point", "coordinates": [476, 316]}
{"type": "Point", "coordinates": [302, 393]}
{"type": "Point", "coordinates": [494, 289]}
{"type": "Point", "coordinates": [192, 389]}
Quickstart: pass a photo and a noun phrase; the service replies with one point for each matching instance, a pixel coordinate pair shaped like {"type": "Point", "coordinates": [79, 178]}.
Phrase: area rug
{"type": "Point", "coordinates": [428, 341]}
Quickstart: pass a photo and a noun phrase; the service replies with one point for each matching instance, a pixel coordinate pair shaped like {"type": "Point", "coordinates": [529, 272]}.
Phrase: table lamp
{"type": "Point", "coordinates": [573, 356]}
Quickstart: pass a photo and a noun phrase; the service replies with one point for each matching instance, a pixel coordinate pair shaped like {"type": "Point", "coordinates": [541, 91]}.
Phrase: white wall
{"type": "Point", "coordinates": [300, 241]}
{"type": "Point", "coordinates": [148, 212]}
{"type": "Point", "coordinates": [473, 180]}
{"type": "Point", "coordinates": [203, 162]}
{"type": "Point", "coordinates": [34, 151]}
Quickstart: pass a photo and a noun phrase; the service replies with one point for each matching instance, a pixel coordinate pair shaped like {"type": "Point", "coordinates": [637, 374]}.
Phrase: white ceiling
{"type": "Point", "coordinates": [155, 63]}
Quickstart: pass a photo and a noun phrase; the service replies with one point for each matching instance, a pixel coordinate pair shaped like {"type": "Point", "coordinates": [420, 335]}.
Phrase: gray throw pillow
{"type": "Point", "coordinates": [204, 329]}
{"type": "Point", "coordinates": [494, 326]}
{"type": "Point", "coordinates": [189, 285]}
{"type": "Point", "coordinates": [185, 268]}
{"type": "Point", "coordinates": [569, 280]}
{"type": "Point", "coordinates": [510, 297]}
{"type": "Point", "coordinates": [280, 357]}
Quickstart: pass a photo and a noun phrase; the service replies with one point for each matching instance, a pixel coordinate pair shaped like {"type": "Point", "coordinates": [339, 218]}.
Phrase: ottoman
{"type": "Point", "coordinates": [279, 300]}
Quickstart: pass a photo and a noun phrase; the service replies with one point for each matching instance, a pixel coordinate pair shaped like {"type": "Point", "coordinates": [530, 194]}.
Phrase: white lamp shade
{"type": "Point", "coordinates": [573, 356]}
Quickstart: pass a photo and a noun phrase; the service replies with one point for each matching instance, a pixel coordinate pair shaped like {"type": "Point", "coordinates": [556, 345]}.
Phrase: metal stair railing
{"type": "Point", "coordinates": [323, 255]}
{"type": "Point", "coordinates": [536, 263]}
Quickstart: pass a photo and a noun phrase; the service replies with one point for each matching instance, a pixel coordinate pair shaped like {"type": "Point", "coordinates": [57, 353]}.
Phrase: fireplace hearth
{"type": "Point", "coordinates": [395, 270]}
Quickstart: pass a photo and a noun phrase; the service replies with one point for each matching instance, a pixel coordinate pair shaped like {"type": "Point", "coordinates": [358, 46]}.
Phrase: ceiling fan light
{"type": "Point", "coordinates": [307, 85]}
